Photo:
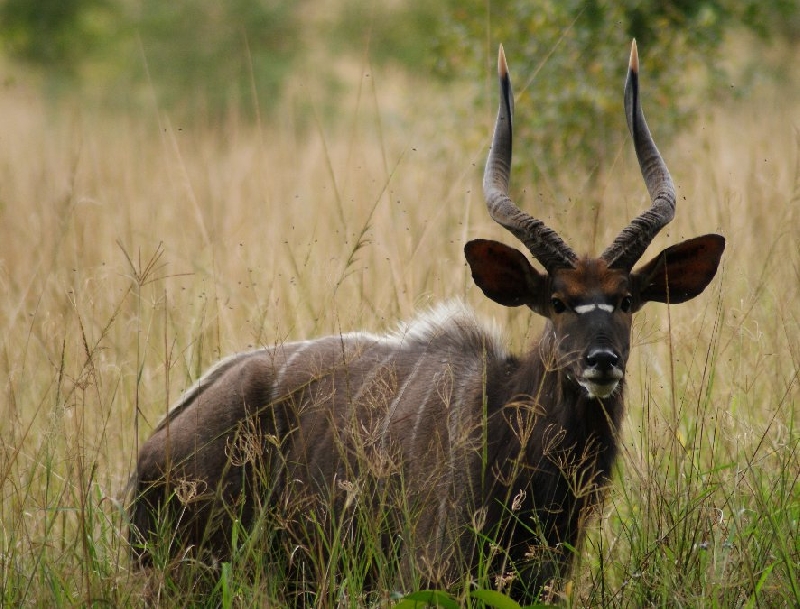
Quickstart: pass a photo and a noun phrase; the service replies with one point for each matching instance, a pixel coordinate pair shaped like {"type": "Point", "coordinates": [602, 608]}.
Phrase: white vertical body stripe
{"type": "Point", "coordinates": [423, 404]}
{"type": "Point", "coordinates": [390, 413]}
{"type": "Point", "coordinates": [301, 346]}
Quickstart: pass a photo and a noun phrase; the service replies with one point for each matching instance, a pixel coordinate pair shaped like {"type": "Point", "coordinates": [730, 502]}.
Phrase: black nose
{"type": "Point", "coordinates": [602, 360]}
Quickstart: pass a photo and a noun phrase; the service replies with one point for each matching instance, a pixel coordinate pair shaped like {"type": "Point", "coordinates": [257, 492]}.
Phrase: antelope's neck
{"type": "Point", "coordinates": [551, 402]}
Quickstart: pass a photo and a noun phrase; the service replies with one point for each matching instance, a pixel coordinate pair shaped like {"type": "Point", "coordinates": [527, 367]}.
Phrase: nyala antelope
{"type": "Point", "coordinates": [472, 458]}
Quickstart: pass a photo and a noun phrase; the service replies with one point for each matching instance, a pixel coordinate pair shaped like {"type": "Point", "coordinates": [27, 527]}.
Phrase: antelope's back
{"type": "Point", "coordinates": [319, 425]}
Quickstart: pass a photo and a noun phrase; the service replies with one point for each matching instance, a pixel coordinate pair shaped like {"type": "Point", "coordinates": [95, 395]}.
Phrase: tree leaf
{"type": "Point", "coordinates": [495, 599]}
{"type": "Point", "coordinates": [427, 598]}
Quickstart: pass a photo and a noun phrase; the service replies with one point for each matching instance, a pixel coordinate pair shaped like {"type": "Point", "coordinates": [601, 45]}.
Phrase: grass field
{"type": "Point", "coordinates": [134, 252]}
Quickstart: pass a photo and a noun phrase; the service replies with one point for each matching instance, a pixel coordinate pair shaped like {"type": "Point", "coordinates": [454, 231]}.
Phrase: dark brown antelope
{"type": "Point", "coordinates": [471, 457]}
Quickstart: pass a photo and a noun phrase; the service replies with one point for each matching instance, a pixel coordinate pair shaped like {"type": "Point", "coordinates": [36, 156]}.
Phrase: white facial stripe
{"type": "Point", "coordinates": [587, 308]}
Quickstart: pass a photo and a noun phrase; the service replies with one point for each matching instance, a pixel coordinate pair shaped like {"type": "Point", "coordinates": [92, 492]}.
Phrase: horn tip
{"type": "Point", "coordinates": [634, 62]}
{"type": "Point", "coordinates": [502, 66]}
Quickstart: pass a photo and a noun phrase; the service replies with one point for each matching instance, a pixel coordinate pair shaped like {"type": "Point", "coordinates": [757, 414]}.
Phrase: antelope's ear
{"type": "Point", "coordinates": [679, 273]}
{"type": "Point", "coordinates": [503, 273]}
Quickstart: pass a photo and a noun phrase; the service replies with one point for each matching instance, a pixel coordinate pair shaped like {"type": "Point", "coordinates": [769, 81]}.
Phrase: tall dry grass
{"type": "Point", "coordinates": [134, 252]}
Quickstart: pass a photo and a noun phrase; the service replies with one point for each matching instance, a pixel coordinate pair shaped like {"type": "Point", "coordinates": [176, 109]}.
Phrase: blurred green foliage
{"type": "Point", "coordinates": [401, 33]}
{"type": "Point", "coordinates": [204, 57]}
{"type": "Point", "coordinates": [568, 60]}
{"type": "Point", "coordinates": [53, 33]}
{"type": "Point", "coordinates": [198, 58]}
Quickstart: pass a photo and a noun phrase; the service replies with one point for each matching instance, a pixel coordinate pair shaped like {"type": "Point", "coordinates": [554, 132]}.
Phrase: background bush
{"type": "Point", "coordinates": [569, 55]}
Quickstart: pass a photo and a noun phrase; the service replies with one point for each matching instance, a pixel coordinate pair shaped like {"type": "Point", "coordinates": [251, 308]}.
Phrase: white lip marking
{"type": "Point", "coordinates": [598, 385]}
{"type": "Point", "coordinates": [588, 308]}
{"type": "Point", "coordinates": [595, 390]}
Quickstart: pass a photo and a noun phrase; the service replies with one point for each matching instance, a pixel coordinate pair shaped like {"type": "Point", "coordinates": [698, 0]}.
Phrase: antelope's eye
{"type": "Point", "coordinates": [558, 306]}
{"type": "Point", "coordinates": [626, 304]}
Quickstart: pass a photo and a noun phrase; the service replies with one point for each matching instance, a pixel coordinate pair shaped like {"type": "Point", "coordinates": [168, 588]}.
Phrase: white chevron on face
{"type": "Point", "coordinates": [587, 308]}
